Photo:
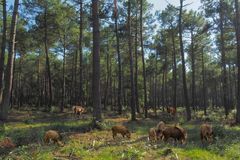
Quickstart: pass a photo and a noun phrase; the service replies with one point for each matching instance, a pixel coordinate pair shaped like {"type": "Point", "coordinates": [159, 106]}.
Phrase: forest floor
{"type": "Point", "coordinates": [26, 128]}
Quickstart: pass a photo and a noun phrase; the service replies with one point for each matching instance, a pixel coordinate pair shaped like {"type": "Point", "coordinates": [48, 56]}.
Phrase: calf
{"type": "Point", "coordinates": [206, 133]}
{"type": "Point", "coordinates": [152, 134]}
{"type": "Point", "coordinates": [54, 136]}
{"type": "Point", "coordinates": [160, 127]}
{"type": "Point", "coordinates": [172, 110]}
{"type": "Point", "coordinates": [121, 130]}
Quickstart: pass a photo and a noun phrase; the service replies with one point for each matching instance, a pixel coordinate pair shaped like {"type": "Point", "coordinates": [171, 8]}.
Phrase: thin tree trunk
{"type": "Point", "coordinates": [81, 92]}
{"type": "Point", "coordinates": [203, 84]}
{"type": "Point", "coordinates": [174, 71]}
{"type": "Point", "coordinates": [14, 75]}
{"type": "Point", "coordinates": [238, 59]}
{"type": "Point", "coordinates": [163, 91]}
{"type": "Point", "coordinates": [118, 59]}
{"type": "Point", "coordinates": [183, 64]}
{"type": "Point", "coordinates": [193, 70]}
{"type": "Point", "coordinates": [96, 94]}
{"type": "Point", "coordinates": [133, 105]}
{"type": "Point", "coordinates": [143, 61]}
{"type": "Point", "coordinates": [165, 77]}
{"type": "Point", "coordinates": [4, 107]}
{"type": "Point", "coordinates": [38, 82]}
{"type": "Point", "coordinates": [3, 47]}
{"type": "Point", "coordinates": [136, 63]}
{"type": "Point", "coordinates": [20, 82]}
{"type": "Point", "coordinates": [223, 60]}
{"type": "Point", "coordinates": [75, 77]}
{"type": "Point", "coordinates": [47, 61]}
{"type": "Point", "coordinates": [107, 82]}
{"type": "Point", "coordinates": [63, 74]}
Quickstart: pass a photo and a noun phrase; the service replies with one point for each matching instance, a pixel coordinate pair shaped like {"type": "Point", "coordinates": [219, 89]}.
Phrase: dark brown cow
{"type": "Point", "coordinates": [121, 130]}
{"type": "Point", "coordinates": [175, 132]}
{"type": "Point", "coordinates": [172, 111]}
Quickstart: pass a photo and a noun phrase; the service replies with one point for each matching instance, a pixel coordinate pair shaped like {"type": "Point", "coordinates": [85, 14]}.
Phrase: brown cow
{"type": "Point", "coordinates": [160, 127]}
{"type": "Point", "coordinates": [206, 132]}
{"type": "Point", "coordinates": [175, 132]}
{"type": "Point", "coordinates": [78, 110]}
{"type": "Point", "coordinates": [54, 136]}
{"type": "Point", "coordinates": [152, 134]}
{"type": "Point", "coordinates": [121, 130]}
{"type": "Point", "coordinates": [172, 110]}
{"type": "Point", "coordinates": [7, 143]}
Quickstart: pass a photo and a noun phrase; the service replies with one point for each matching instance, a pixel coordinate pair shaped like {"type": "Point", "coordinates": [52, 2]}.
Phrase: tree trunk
{"type": "Point", "coordinates": [107, 80]}
{"type": "Point", "coordinates": [81, 92]}
{"type": "Point", "coordinates": [48, 70]}
{"type": "Point", "coordinates": [183, 64]}
{"type": "Point", "coordinates": [165, 70]}
{"type": "Point", "coordinates": [136, 64]}
{"type": "Point", "coordinates": [238, 59]}
{"type": "Point", "coordinates": [63, 74]}
{"type": "Point", "coordinates": [3, 47]}
{"type": "Point", "coordinates": [4, 107]}
{"type": "Point", "coordinates": [38, 82]}
{"type": "Point", "coordinates": [174, 72]}
{"type": "Point", "coordinates": [193, 70]}
{"type": "Point", "coordinates": [75, 77]}
{"type": "Point", "coordinates": [119, 61]}
{"type": "Point", "coordinates": [133, 114]}
{"type": "Point", "coordinates": [223, 60]}
{"type": "Point", "coordinates": [143, 61]}
{"type": "Point", "coordinates": [96, 95]}
{"type": "Point", "coordinates": [203, 84]}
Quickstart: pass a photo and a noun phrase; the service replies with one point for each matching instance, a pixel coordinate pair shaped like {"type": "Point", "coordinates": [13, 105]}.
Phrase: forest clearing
{"type": "Point", "coordinates": [119, 79]}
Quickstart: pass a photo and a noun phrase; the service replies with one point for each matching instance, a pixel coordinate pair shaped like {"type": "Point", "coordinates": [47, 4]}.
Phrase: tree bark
{"type": "Point", "coordinates": [136, 63]}
{"type": "Point", "coordinates": [4, 107]}
{"type": "Point", "coordinates": [183, 64]}
{"type": "Point", "coordinates": [48, 70]}
{"type": "Point", "coordinates": [223, 59]}
{"type": "Point", "coordinates": [3, 47]}
{"type": "Point", "coordinates": [63, 74]}
{"type": "Point", "coordinates": [133, 113]}
{"type": "Point", "coordinates": [143, 61]}
{"type": "Point", "coordinates": [193, 70]}
{"type": "Point", "coordinates": [96, 95]}
{"type": "Point", "coordinates": [81, 92]}
{"type": "Point", "coordinates": [107, 80]}
{"type": "Point", "coordinates": [174, 71]}
{"type": "Point", "coordinates": [203, 84]}
{"type": "Point", "coordinates": [238, 59]}
{"type": "Point", "coordinates": [119, 60]}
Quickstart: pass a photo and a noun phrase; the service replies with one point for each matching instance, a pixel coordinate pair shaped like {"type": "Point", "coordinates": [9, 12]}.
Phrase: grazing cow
{"type": "Point", "coordinates": [175, 132]}
{"type": "Point", "coordinates": [54, 136]}
{"type": "Point", "coordinates": [7, 143]}
{"type": "Point", "coordinates": [206, 133]}
{"type": "Point", "coordinates": [152, 134]}
{"type": "Point", "coordinates": [78, 110]}
{"type": "Point", "coordinates": [121, 130]}
{"type": "Point", "coordinates": [160, 127]}
{"type": "Point", "coordinates": [172, 111]}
